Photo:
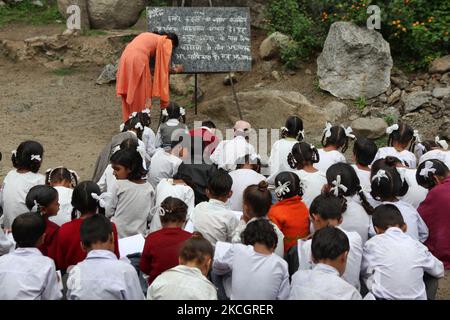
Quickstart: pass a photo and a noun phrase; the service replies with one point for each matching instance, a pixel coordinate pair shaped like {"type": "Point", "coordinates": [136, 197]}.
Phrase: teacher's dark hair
{"type": "Point", "coordinates": [172, 36]}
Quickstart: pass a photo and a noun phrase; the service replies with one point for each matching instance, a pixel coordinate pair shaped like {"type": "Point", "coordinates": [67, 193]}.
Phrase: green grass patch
{"type": "Point", "coordinates": [29, 13]}
{"type": "Point", "coordinates": [93, 33]}
{"type": "Point", "coordinates": [63, 72]}
{"type": "Point", "coordinates": [382, 142]}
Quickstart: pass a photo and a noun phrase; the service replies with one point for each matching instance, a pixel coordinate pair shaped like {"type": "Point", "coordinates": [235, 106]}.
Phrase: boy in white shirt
{"type": "Point", "coordinates": [394, 264]}
{"type": "Point", "coordinates": [101, 276]}
{"type": "Point", "coordinates": [5, 244]}
{"type": "Point", "coordinates": [330, 247]}
{"type": "Point", "coordinates": [254, 262]}
{"type": "Point", "coordinates": [187, 281]}
{"type": "Point", "coordinates": [25, 274]}
{"type": "Point", "coordinates": [214, 219]}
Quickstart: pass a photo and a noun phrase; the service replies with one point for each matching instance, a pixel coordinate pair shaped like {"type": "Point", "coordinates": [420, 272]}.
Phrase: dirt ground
{"type": "Point", "coordinates": [74, 118]}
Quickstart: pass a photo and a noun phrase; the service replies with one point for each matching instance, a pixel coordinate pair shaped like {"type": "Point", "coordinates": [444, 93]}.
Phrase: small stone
{"type": "Point", "coordinates": [389, 91]}
{"type": "Point", "coordinates": [228, 78]}
{"type": "Point", "coordinates": [108, 74]}
{"type": "Point", "coordinates": [270, 47]}
{"type": "Point", "coordinates": [441, 92]}
{"type": "Point", "coordinates": [38, 3]}
{"type": "Point", "coordinates": [259, 85]}
{"type": "Point", "coordinates": [308, 72]}
{"type": "Point", "coordinates": [383, 98]}
{"type": "Point", "coordinates": [371, 128]}
{"type": "Point", "coordinates": [353, 117]}
{"type": "Point", "coordinates": [415, 100]}
{"type": "Point", "coordinates": [291, 72]}
{"type": "Point", "coordinates": [54, 65]}
{"type": "Point", "coordinates": [366, 112]}
{"type": "Point", "coordinates": [335, 110]}
{"type": "Point", "coordinates": [414, 89]}
{"type": "Point", "coordinates": [394, 97]}
{"type": "Point", "coordinates": [419, 83]}
{"type": "Point", "coordinates": [440, 65]}
{"type": "Point", "coordinates": [267, 66]}
{"type": "Point", "coordinates": [400, 82]}
{"type": "Point", "coordinates": [2, 4]}
{"type": "Point", "coordinates": [423, 76]}
{"type": "Point", "coordinates": [276, 75]}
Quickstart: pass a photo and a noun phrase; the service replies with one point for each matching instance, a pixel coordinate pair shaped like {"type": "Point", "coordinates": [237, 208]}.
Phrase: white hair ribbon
{"type": "Point", "coordinates": [349, 132]}
{"type": "Point", "coordinates": [327, 129]}
{"type": "Point", "coordinates": [75, 174]}
{"type": "Point", "coordinates": [36, 157]}
{"type": "Point", "coordinates": [291, 155]}
{"type": "Point", "coordinates": [392, 128]}
{"type": "Point", "coordinates": [402, 173]}
{"type": "Point", "coordinates": [182, 111]}
{"type": "Point", "coordinates": [122, 126]}
{"type": "Point", "coordinates": [421, 148]}
{"type": "Point", "coordinates": [35, 207]}
{"type": "Point", "coordinates": [147, 111]}
{"type": "Point", "coordinates": [254, 157]}
{"type": "Point", "coordinates": [302, 133]}
{"type": "Point", "coordinates": [144, 156]}
{"type": "Point", "coordinates": [338, 185]}
{"type": "Point", "coordinates": [139, 126]}
{"type": "Point", "coordinates": [282, 189]}
{"type": "Point", "coordinates": [49, 172]}
{"type": "Point", "coordinates": [14, 152]}
{"type": "Point", "coordinates": [165, 113]}
{"type": "Point", "coordinates": [117, 148]}
{"type": "Point", "coordinates": [417, 136]}
{"type": "Point", "coordinates": [380, 174]}
{"type": "Point", "coordinates": [428, 168]}
{"type": "Point", "coordinates": [442, 143]}
{"type": "Point", "coordinates": [100, 199]}
{"type": "Point", "coordinates": [134, 114]}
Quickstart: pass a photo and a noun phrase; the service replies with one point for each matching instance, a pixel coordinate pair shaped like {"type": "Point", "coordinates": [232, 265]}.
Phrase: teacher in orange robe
{"type": "Point", "coordinates": [134, 80]}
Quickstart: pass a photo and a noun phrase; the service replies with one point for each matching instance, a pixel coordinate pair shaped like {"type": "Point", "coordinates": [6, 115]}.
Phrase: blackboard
{"type": "Point", "coordinates": [211, 39]}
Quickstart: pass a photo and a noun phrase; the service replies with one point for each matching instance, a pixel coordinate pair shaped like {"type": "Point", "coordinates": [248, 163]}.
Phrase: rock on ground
{"type": "Point", "coordinates": [415, 100]}
{"type": "Point", "coordinates": [441, 92]}
{"type": "Point", "coordinates": [440, 65]}
{"type": "Point", "coordinates": [270, 47]}
{"type": "Point", "coordinates": [108, 74]}
{"type": "Point", "coordinates": [114, 14]}
{"type": "Point", "coordinates": [354, 62]}
{"type": "Point", "coordinates": [335, 110]}
{"type": "Point", "coordinates": [371, 128]}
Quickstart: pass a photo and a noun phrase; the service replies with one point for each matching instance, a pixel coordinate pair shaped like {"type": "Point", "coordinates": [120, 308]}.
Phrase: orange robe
{"type": "Point", "coordinates": [134, 81]}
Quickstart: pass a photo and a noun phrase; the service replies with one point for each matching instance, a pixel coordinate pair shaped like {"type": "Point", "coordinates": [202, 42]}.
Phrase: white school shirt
{"type": "Point", "coordinates": [407, 157]}
{"type": "Point", "coordinates": [182, 283]}
{"type": "Point", "coordinates": [26, 274]}
{"type": "Point", "coordinates": [130, 207]}
{"type": "Point", "coordinates": [149, 140]}
{"type": "Point", "coordinates": [355, 218]}
{"type": "Point", "coordinates": [6, 244]}
{"type": "Point", "coordinates": [416, 227]}
{"type": "Point", "coordinates": [353, 267]}
{"type": "Point", "coordinates": [107, 180]}
{"type": "Point", "coordinates": [327, 159]}
{"type": "Point", "coordinates": [228, 152]}
{"type": "Point", "coordinates": [323, 282]}
{"type": "Point", "coordinates": [394, 264]}
{"type": "Point", "coordinates": [242, 178]}
{"type": "Point", "coordinates": [166, 188]}
{"type": "Point", "coordinates": [278, 157]}
{"type": "Point", "coordinates": [163, 165]}
{"type": "Point", "coordinates": [14, 191]}
{"type": "Point", "coordinates": [312, 184]}
{"type": "Point", "coordinates": [65, 206]}
{"type": "Point", "coordinates": [364, 178]}
{"type": "Point", "coordinates": [236, 237]}
{"type": "Point", "coordinates": [215, 221]}
{"type": "Point", "coordinates": [436, 154]}
{"type": "Point", "coordinates": [101, 276]}
{"type": "Point", "coordinates": [268, 274]}
{"type": "Point", "coordinates": [416, 193]}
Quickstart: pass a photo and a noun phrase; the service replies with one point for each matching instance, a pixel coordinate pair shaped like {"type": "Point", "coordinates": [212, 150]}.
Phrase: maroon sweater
{"type": "Point", "coordinates": [161, 251]}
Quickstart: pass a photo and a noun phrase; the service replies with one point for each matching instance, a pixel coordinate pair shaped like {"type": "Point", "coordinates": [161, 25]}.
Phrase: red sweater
{"type": "Point", "coordinates": [161, 251]}
{"type": "Point", "coordinates": [435, 211]}
{"type": "Point", "coordinates": [48, 248]}
{"type": "Point", "coordinates": [68, 247]}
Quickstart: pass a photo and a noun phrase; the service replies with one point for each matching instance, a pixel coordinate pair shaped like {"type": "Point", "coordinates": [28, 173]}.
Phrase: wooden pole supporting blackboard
{"type": "Point", "coordinates": [196, 92]}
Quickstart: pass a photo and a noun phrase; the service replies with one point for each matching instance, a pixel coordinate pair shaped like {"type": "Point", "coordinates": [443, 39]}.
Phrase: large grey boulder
{"type": "Point", "coordinates": [370, 128]}
{"type": "Point", "coordinates": [416, 100]}
{"type": "Point", "coordinates": [114, 14]}
{"type": "Point", "coordinates": [354, 62]}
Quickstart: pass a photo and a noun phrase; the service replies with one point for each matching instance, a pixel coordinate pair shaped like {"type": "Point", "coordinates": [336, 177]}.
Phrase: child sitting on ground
{"type": "Point", "coordinates": [364, 152]}
{"type": "Point", "coordinates": [329, 248]}
{"type": "Point", "coordinates": [173, 125]}
{"type": "Point", "coordinates": [101, 276]}
{"type": "Point", "coordinates": [26, 274]}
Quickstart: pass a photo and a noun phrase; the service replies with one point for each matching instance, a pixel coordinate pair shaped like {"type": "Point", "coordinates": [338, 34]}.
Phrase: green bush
{"type": "Point", "coordinates": [27, 12]}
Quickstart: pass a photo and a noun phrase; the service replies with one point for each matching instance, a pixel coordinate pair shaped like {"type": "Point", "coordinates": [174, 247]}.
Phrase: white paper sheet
{"type": "Point", "coordinates": [131, 245]}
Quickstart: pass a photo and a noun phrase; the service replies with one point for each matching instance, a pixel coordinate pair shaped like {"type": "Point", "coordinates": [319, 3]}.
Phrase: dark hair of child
{"type": "Point", "coordinates": [43, 195]}
{"type": "Point", "coordinates": [383, 188]}
{"type": "Point", "coordinates": [293, 128]}
{"type": "Point", "coordinates": [82, 200]}
{"type": "Point", "coordinates": [22, 157]}
{"type": "Point", "coordinates": [260, 231]}
{"type": "Point", "coordinates": [294, 184]}
{"type": "Point", "coordinates": [246, 160]}
{"type": "Point", "coordinates": [350, 180]}
{"type": "Point", "coordinates": [175, 210]}
{"type": "Point", "coordinates": [338, 139]}
{"type": "Point", "coordinates": [220, 183]}
{"type": "Point", "coordinates": [387, 215]}
{"type": "Point", "coordinates": [134, 124]}
{"type": "Point", "coordinates": [187, 179]}
{"type": "Point", "coordinates": [145, 118]}
{"type": "Point", "coordinates": [95, 229]}
{"type": "Point", "coordinates": [328, 207]}
{"type": "Point", "coordinates": [428, 181]}
{"type": "Point", "coordinates": [196, 249]}
{"type": "Point", "coordinates": [129, 144]}
{"type": "Point", "coordinates": [132, 160]}
{"type": "Point", "coordinates": [430, 145]}
{"type": "Point", "coordinates": [209, 124]}
{"type": "Point", "coordinates": [174, 112]}
{"type": "Point", "coordinates": [303, 154]}
{"type": "Point", "coordinates": [59, 175]}
{"type": "Point", "coordinates": [403, 136]}
{"type": "Point", "coordinates": [258, 199]}
{"type": "Point", "coordinates": [329, 243]}
{"type": "Point", "coordinates": [27, 229]}
{"type": "Point", "coordinates": [365, 151]}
